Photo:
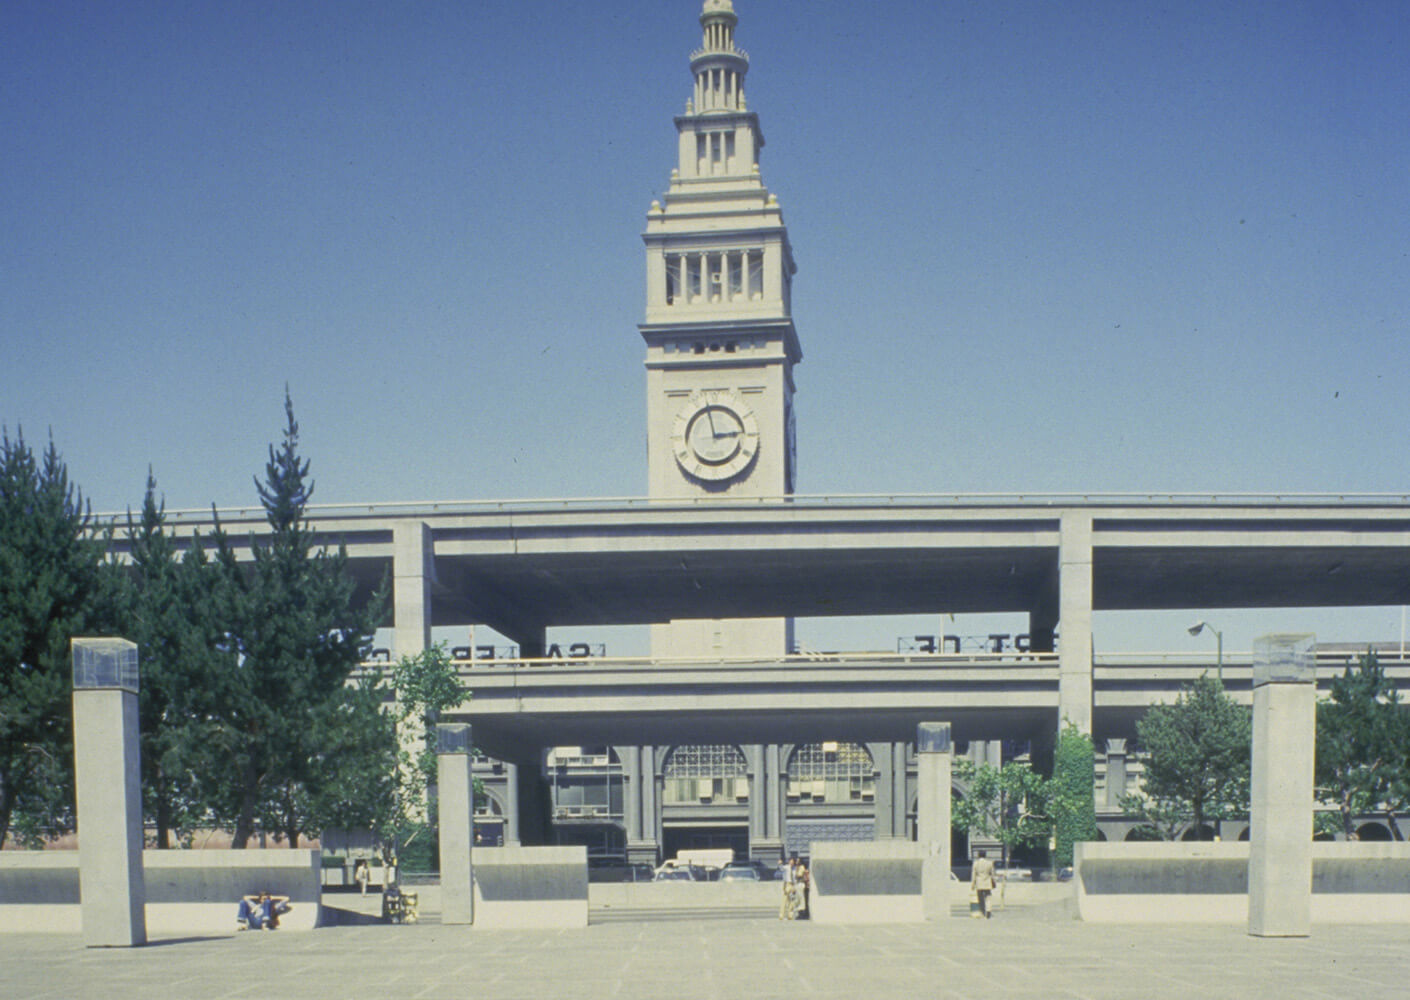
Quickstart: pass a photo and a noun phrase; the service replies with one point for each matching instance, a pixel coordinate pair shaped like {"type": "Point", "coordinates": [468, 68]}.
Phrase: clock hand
{"type": "Point", "coordinates": [710, 416]}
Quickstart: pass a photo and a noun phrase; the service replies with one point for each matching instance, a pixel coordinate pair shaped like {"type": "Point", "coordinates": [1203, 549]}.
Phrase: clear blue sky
{"type": "Point", "coordinates": [1090, 246]}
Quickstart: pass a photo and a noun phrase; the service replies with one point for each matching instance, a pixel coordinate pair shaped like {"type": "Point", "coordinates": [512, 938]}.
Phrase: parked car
{"type": "Point", "coordinates": [739, 871]}
{"type": "Point", "coordinates": [1012, 874]}
{"type": "Point", "coordinates": [676, 873]}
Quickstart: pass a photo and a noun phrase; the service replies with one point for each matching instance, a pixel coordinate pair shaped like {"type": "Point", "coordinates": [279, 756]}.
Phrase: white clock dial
{"type": "Point", "coordinates": [716, 435]}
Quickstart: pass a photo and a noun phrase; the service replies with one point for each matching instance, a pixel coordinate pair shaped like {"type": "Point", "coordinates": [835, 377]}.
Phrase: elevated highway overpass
{"type": "Point", "coordinates": [524, 566]}
{"type": "Point", "coordinates": [519, 706]}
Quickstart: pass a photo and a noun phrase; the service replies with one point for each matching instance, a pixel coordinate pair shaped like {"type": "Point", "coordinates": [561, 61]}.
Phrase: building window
{"type": "Point", "coordinates": [673, 278]}
{"type": "Point", "coordinates": [707, 774]}
{"type": "Point", "coordinates": [831, 772]}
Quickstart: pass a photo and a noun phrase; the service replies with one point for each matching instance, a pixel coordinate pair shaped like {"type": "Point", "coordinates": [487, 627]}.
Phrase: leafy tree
{"type": "Point", "coordinates": [164, 604]}
{"type": "Point", "coordinates": [297, 637]}
{"type": "Point", "coordinates": [1362, 739]}
{"type": "Point", "coordinates": [50, 591]}
{"type": "Point", "coordinates": [1198, 758]}
{"type": "Point", "coordinates": [425, 685]}
{"type": "Point", "coordinates": [1010, 803]}
{"type": "Point", "coordinates": [1074, 807]}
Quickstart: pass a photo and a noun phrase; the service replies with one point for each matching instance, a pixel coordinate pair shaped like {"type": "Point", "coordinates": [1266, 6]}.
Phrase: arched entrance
{"type": "Point", "coordinates": [705, 799]}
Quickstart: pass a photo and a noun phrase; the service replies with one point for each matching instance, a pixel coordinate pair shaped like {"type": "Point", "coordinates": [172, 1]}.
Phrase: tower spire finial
{"type": "Point", "coordinates": [719, 66]}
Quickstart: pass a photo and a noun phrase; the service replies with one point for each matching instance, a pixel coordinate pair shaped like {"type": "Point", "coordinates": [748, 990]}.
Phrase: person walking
{"type": "Point", "coordinates": [981, 883]}
{"type": "Point", "coordinates": [361, 875]}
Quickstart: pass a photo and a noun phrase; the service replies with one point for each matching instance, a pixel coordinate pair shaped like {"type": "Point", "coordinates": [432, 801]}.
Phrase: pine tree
{"type": "Point", "coordinates": [165, 607]}
{"type": "Point", "coordinates": [50, 591]}
{"type": "Point", "coordinates": [1362, 739]}
{"type": "Point", "coordinates": [296, 636]}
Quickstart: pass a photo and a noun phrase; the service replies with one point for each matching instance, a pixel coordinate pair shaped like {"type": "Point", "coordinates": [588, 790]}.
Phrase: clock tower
{"type": "Point", "coordinates": [720, 342]}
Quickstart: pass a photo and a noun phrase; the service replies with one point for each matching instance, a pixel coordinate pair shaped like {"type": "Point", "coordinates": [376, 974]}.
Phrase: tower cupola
{"type": "Point", "coordinates": [719, 66]}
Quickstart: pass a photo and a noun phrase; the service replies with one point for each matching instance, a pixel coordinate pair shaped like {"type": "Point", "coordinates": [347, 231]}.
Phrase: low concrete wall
{"type": "Point", "coordinates": [188, 892]}
{"type": "Point", "coordinates": [528, 887]}
{"type": "Point", "coordinates": [866, 883]}
{"type": "Point", "coordinates": [673, 895]}
{"type": "Point", "coordinates": [1207, 882]}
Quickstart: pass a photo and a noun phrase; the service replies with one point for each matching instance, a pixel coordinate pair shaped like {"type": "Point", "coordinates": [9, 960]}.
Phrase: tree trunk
{"type": "Point", "coordinates": [6, 806]}
{"type": "Point", "coordinates": [163, 817]}
{"type": "Point", "coordinates": [245, 824]}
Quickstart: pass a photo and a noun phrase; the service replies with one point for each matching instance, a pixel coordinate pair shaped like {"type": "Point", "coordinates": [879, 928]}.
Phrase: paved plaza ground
{"type": "Point", "coordinates": [682, 955]}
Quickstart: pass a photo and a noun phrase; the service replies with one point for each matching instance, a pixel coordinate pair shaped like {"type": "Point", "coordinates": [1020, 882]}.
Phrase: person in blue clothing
{"type": "Point", "coordinates": [260, 911]}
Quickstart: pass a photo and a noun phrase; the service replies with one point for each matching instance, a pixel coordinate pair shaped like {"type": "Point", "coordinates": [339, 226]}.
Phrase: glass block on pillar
{"type": "Point", "coordinates": [453, 737]}
{"type": "Point", "coordinates": [1285, 658]}
{"type": "Point", "coordinates": [101, 663]}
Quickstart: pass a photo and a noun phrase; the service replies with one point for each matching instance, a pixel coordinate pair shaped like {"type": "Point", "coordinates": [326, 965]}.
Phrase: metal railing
{"type": "Point", "coordinates": [1036, 499]}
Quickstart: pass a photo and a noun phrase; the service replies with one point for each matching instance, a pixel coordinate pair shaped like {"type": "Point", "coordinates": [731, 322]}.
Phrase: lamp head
{"type": "Point", "coordinates": [1197, 628]}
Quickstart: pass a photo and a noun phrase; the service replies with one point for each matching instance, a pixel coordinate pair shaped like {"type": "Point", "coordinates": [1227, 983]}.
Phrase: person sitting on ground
{"type": "Point", "coordinates": [261, 911]}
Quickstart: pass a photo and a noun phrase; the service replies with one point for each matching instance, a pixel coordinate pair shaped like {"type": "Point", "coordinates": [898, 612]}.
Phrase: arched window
{"type": "Point", "coordinates": [831, 772]}
{"type": "Point", "coordinates": [706, 774]}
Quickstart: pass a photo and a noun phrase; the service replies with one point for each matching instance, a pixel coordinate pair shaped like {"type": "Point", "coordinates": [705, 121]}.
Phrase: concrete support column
{"type": "Point", "coordinates": [1281, 794]}
{"type": "Point", "coordinates": [885, 790]}
{"type": "Point", "coordinates": [532, 642]}
{"type": "Point", "coordinates": [900, 790]}
{"type": "Point", "coordinates": [108, 787]}
{"type": "Point", "coordinates": [933, 764]}
{"type": "Point", "coordinates": [642, 845]}
{"type": "Point", "coordinates": [775, 815]}
{"type": "Point", "coordinates": [1075, 611]}
{"type": "Point", "coordinates": [754, 762]}
{"type": "Point", "coordinates": [457, 822]}
{"type": "Point", "coordinates": [534, 805]}
{"type": "Point", "coordinates": [413, 573]}
{"type": "Point", "coordinates": [1115, 773]}
{"type": "Point", "coordinates": [652, 760]}
{"type": "Point", "coordinates": [630, 758]}
{"type": "Point", "coordinates": [511, 804]}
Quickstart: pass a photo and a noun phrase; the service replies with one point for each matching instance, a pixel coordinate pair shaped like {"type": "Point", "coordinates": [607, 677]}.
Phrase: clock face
{"type": "Point", "coordinates": [716, 435]}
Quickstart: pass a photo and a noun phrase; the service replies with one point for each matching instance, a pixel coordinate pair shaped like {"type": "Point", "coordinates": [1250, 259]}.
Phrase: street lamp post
{"type": "Point", "coordinates": [1199, 627]}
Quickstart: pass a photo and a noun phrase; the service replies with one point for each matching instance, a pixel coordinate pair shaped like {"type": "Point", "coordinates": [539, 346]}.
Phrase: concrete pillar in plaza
{"type": "Point", "coordinates": [1075, 616]}
{"type": "Point", "coordinates": [457, 822]}
{"type": "Point", "coordinates": [108, 786]}
{"type": "Point", "coordinates": [413, 574]}
{"type": "Point", "coordinates": [933, 765]}
{"type": "Point", "coordinates": [1284, 753]}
